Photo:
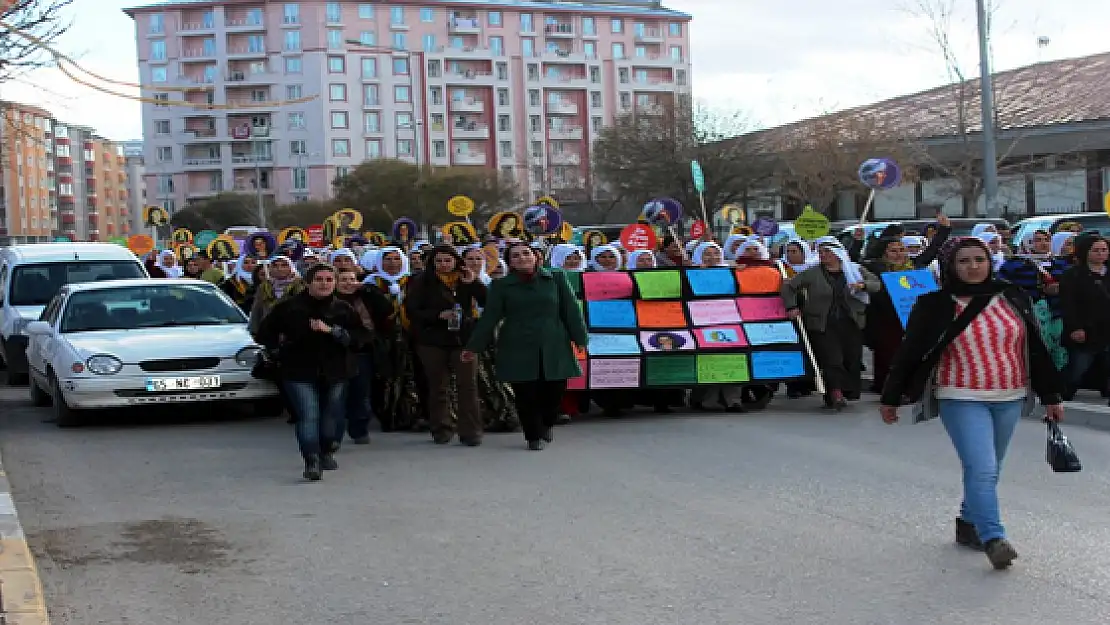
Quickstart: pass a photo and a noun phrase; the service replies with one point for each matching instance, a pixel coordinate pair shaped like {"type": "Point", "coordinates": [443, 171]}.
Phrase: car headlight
{"type": "Point", "coordinates": [103, 365]}
{"type": "Point", "coordinates": [248, 356]}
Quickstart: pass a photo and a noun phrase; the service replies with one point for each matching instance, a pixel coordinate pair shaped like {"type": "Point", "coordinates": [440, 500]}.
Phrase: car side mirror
{"type": "Point", "coordinates": [38, 328]}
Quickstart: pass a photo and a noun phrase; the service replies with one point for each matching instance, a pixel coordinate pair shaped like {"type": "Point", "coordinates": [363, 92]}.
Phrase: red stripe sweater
{"type": "Point", "coordinates": [987, 361]}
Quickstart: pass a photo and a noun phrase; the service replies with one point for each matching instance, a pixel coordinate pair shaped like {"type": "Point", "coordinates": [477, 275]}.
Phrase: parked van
{"type": "Point", "coordinates": [31, 274]}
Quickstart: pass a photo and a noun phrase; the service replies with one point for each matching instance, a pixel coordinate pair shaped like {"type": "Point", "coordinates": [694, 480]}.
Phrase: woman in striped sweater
{"type": "Point", "coordinates": [973, 356]}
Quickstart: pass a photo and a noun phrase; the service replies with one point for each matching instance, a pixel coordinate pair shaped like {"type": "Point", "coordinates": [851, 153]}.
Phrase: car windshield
{"type": "Point", "coordinates": [161, 306]}
{"type": "Point", "coordinates": [36, 284]}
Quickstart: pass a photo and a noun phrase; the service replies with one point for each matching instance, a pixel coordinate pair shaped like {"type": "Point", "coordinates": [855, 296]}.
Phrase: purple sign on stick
{"type": "Point", "coordinates": [765, 226]}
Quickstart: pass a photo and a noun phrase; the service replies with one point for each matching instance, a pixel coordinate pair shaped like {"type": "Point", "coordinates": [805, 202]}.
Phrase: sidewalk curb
{"type": "Point", "coordinates": [21, 598]}
{"type": "Point", "coordinates": [1096, 417]}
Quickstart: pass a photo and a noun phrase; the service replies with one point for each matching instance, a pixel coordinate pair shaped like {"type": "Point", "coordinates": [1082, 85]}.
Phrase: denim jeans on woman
{"type": "Point", "coordinates": [981, 432]}
{"type": "Point", "coordinates": [319, 408]}
{"type": "Point", "coordinates": [359, 411]}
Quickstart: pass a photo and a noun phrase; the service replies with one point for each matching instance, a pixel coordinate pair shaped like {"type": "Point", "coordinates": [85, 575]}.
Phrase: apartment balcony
{"type": "Point", "coordinates": [464, 26]}
{"type": "Point", "coordinates": [558, 30]}
{"type": "Point", "coordinates": [563, 107]}
{"type": "Point", "coordinates": [245, 187]}
{"type": "Point", "coordinates": [199, 53]}
{"type": "Point", "coordinates": [470, 77]}
{"type": "Point", "coordinates": [197, 27]}
{"type": "Point", "coordinates": [565, 133]}
{"type": "Point", "coordinates": [468, 158]}
{"type": "Point", "coordinates": [557, 55]}
{"type": "Point", "coordinates": [565, 158]}
{"type": "Point", "coordinates": [68, 218]}
{"type": "Point", "coordinates": [465, 52]}
{"type": "Point", "coordinates": [653, 84]}
{"type": "Point", "coordinates": [246, 52]}
{"type": "Point", "coordinates": [468, 105]}
{"type": "Point", "coordinates": [567, 82]}
{"type": "Point", "coordinates": [195, 81]}
{"type": "Point", "coordinates": [470, 131]}
{"type": "Point", "coordinates": [243, 78]}
{"type": "Point", "coordinates": [655, 60]}
{"type": "Point", "coordinates": [245, 25]}
{"type": "Point", "coordinates": [649, 35]}
{"type": "Point", "coordinates": [251, 160]}
{"type": "Point", "coordinates": [198, 135]}
{"type": "Point", "coordinates": [246, 106]}
{"type": "Point", "coordinates": [202, 163]}
{"type": "Point", "coordinates": [202, 192]}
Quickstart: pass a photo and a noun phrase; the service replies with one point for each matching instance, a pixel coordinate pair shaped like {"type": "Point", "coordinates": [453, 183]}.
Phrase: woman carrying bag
{"type": "Point", "coordinates": [973, 356]}
{"type": "Point", "coordinates": [541, 319]}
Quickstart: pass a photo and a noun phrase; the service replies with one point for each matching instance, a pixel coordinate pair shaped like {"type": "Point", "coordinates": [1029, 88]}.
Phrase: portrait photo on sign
{"type": "Point", "coordinates": [261, 245]}
{"type": "Point", "coordinates": [223, 249]}
{"type": "Point", "coordinates": [505, 225]}
{"type": "Point", "coordinates": [667, 341]}
{"type": "Point", "coordinates": [157, 216]}
{"type": "Point", "coordinates": [404, 229]}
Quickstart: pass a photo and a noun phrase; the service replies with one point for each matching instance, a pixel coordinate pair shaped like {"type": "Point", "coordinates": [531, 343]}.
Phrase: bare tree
{"type": "Point", "coordinates": [1025, 99]}
{"type": "Point", "coordinates": [29, 27]}
{"type": "Point", "coordinates": [647, 153]}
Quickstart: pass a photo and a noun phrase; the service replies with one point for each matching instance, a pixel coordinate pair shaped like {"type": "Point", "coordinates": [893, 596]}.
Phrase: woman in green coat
{"type": "Point", "coordinates": [534, 352]}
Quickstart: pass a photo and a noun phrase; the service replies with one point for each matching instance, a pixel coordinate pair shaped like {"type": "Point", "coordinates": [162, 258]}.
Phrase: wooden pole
{"type": "Point", "coordinates": [820, 382]}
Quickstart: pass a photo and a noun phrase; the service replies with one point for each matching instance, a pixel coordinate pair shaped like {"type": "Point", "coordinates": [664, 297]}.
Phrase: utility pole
{"type": "Point", "coordinates": [986, 88]}
{"type": "Point", "coordinates": [257, 145]}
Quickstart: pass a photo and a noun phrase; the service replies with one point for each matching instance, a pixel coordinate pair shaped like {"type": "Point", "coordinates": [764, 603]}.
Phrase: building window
{"type": "Point", "coordinates": [292, 13]}
{"type": "Point", "coordinates": [339, 119]}
{"type": "Point", "coordinates": [439, 149]}
{"type": "Point", "coordinates": [589, 26]}
{"type": "Point", "coordinates": [373, 148]}
{"type": "Point", "coordinates": [296, 121]}
{"type": "Point", "coordinates": [429, 43]}
{"type": "Point", "coordinates": [626, 100]}
{"type": "Point", "coordinates": [502, 97]}
{"type": "Point", "coordinates": [623, 75]}
{"type": "Point", "coordinates": [404, 147]}
{"type": "Point", "coordinates": [157, 24]}
{"type": "Point", "coordinates": [372, 121]}
{"type": "Point", "coordinates": [333, 13]}
{"type": "Point", "coordinates": [497, 46]}
{"type": "Point", "coordinates": [293, 65]}
{"type": "Point", "coordinates": [676, 53]}
{"type": "Point", "coordinates": [534, 97]}
{"type": "Point", "coordinates": [294, 92]}
{"type": "Point", "coordinates": [595, 99]}
{"type": "Point", "coordinates": [618, 50]}
{"type": "Point", "coordinates": [528, 47]}
{"type": "Point", "coordinates": [404, 121]}
{"type": "Point", "coordinates": [397, 16]}
{"type": "Point", "coordinates": [506, 149]}
{"type": "Point", "coordinates": [595, 74]}
{"type": "Point", "coordinates": [337, 65]}
{"type": "Point", "coordinates": [504, 123]}
{"type": "Point", "coordinates": [400, 42]}
{"type": "Point", "coordinates": [427, 16]}
{"type": "Point", "coordinates": [534, 123]}
{"type": "Point", "coordinates": [158, 50]}
{"type": "Point", "coordinates": [616, 26]}
{"type": "Point", "coordinates": [589, 48]}
{"type": "Point", "coordinates": [493, 18]}
{"type": "Point", "coordinates": [298, 147]}
{"type": "Point", "coordinates": [337, 92]}
{"type": "Point", "coordinates": [158, 74]}
{"type": "Point", "coordinates": [401, 67]}
{"type": "Point", "coordinates": [675, 29]}
{"type": "Point", "coordinates": [369, 67]}
{"type": "Point", "coordinates": [502, 71]}
{"type": "Point", "coordinates": [165, 154]}
{"type": "Point", "coordinates": [595, 124]}
{"type": "Point", "coordinates": [335, 39]}
{"type": "Point", "coordinates": [437, 122]}
{"type": "Point", "coordinates": [680, 77]}
{"type": "Point", "coordinates": [526, 25]}
{"type": "Point", "coordinates": [436, 95]}
{"type": "Point", "coordinates": [367, 38]}
{"type": "Point", "coordinates": [433, 69]}
{"type": "Point", "coordinates": [402, 94]}
{"type": "Point", "coordinates": [162, 127]}
{"type": "Point", "coordinates": [365, 11]}
{"type": "Point", "coordinates": [640, 52]}
{"type": "Point", "coordinates": [300, 178]}
{"type": "Point", "coordinates": [292, 40]}
{"type": "Point", "coordinates": [370, 95]}
{"type": "Point", "coordinates": [340, 147]}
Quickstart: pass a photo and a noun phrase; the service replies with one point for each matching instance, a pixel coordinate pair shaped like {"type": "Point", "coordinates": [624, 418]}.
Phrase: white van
{"type": "Point", "coordinates": [31, 274]}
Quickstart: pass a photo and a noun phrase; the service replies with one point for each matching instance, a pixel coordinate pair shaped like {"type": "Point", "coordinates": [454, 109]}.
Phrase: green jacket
{"type": "Point", "coordinates": [541, 318]}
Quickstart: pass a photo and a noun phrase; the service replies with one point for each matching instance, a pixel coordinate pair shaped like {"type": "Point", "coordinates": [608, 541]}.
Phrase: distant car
{"type": "Point", "coordinates": [128, 343]}
{"type": "Point", "coordinates": [961, 226]}
{"type": "Point", "coordinates": [1091, 222]}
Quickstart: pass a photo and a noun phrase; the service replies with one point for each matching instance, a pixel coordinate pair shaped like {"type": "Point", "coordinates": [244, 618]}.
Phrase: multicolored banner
{"type": "Point", "coordinates": [666, 328]}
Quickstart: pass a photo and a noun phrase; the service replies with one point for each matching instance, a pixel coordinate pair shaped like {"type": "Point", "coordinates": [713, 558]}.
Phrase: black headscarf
{"type": "Point", "coordinates": [1083, 244]}
{"type": "Point", "coordinates": [950, 281]}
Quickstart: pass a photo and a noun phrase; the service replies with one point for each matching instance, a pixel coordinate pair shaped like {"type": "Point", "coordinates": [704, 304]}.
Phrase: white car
{"type": "Point", "coordinates": [124, 343]}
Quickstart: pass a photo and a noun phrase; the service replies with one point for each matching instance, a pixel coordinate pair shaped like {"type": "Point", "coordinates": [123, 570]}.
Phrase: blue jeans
{"type": "Point", "coordinates": [318, 408]}
{"type": "Point", "coordinates": [981, 432]}
{"type": "Point", "coordinates": [359, 411]}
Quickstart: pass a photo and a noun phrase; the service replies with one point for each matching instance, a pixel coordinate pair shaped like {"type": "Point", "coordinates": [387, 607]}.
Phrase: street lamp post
{"type": "Point", "coordinates": [986, 86]}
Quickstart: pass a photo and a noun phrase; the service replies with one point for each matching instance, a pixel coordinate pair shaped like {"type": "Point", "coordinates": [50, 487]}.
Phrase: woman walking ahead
{"type": "Point", "coordinates": [973, 354]}
{"type": "Point", "coordinates": [534, 353]}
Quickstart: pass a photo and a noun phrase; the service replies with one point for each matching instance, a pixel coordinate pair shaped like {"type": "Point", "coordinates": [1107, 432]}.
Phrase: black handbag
{"type": "Point", "coordinates": [266, 368]}
{"type": "Point", "coordinates": [1060, 454]}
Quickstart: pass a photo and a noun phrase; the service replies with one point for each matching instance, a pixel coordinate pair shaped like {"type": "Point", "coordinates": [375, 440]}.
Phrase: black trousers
{"type": "Point", "coordinates": [839, 351]}
{"type": "Point", "coordinates": [537, 404]}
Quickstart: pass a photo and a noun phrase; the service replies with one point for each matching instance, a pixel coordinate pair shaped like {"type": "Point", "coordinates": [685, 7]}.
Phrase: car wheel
{"type": "Point", "coordinates": [267, 408]}
{"type": "Point", "coordinates": [39, 397]}
{"type": "Point", "coordinates": [64, 416]}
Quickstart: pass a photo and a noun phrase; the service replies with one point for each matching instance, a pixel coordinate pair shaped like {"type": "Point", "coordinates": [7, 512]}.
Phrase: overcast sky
{"type": "Point", "coordinates": [776, 61]}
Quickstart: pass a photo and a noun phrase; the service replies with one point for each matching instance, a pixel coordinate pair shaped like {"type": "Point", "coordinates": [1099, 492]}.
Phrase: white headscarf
{"type": "Point", "coordinates": [699, 251]}
{"type": "Point", "coordinates": [369, 261]}
{"type": "Point", "coordinates": [910, 239]}
{"type": "Point", "coordinates": [851, 271]}
{"type": "Point", "coordinates": [172, 270]}
{"type": "Point", "coordinates": [997, 258]}
{"type": "Point", "coordinates": [342, 252]}
{"type": "Point", "coordinates": [561, 252]}
{"type": "Point", "coordinates": [241, 273]}
{"type": "Point", "coordinates": [827, 240]}
{"type": "Point", "coordinates": [753, 244]}
{"type": "Point", "coordinates": [809, 257]}
{"type": "Point", "coordinates": [634, 256]}
{"type": "Point", "coordinates": [979, 229]}
{"type": "Point", "coordinates": [601, 249]}
{"type": "Point", "coordinates": [732, 243]}
{"type": "Point", "coordinates": [1058, 241]}
{"type": "Point", "coordinates": [691, 245]}
{"type": "Point", "coordinates": [393, 280]}
{"type": "Point", "coordinates": [483, 276]}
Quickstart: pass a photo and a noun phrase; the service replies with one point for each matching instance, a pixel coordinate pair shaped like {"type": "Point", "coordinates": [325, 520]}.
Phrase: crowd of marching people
{"type": "Point", "coordinates": [438, 338]}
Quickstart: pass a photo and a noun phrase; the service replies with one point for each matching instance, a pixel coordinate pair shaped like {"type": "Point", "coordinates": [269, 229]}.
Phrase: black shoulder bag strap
{"type": "Point", "coordinates": [960, 323]}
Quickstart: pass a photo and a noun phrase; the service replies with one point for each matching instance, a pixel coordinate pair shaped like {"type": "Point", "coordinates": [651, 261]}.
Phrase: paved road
{"type": "Point", "coordinates": [784, 517]}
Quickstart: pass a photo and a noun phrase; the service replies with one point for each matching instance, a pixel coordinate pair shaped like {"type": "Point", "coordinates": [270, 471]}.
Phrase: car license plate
{"type": "Point", "coordinates": [162, 385]}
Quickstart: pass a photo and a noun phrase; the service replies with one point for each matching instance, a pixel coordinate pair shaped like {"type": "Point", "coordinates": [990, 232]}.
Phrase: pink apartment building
{"type": "Point", "coordinates": [288, 95]}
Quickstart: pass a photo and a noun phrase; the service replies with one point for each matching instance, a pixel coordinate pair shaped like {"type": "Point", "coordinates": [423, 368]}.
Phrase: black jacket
{"type": "Point", "coordinates": [428, 297]}
{"type": "Point", "coordinates": [305, 355]}
{"type": "Point", "coordinates": [881, 314]}
{"type": "Point", "coordinates": [922, 347]}
{"type": "Point", "coordinates": [1084, 302]}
